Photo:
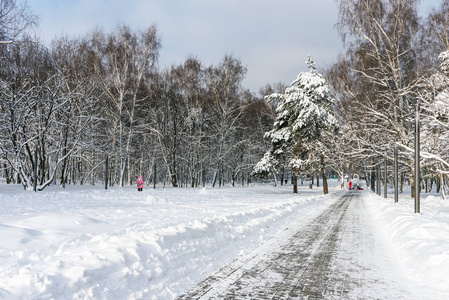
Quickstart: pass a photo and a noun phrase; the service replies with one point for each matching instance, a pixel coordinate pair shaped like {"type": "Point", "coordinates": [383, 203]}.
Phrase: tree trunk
{"type": "Point", "coordinates": [282, 176]}
{"type": "Point", "coordinates": [412, 180]}
{"type": "Point", "coordinates": [173, 176]}
{"type": "Point", "coordinates": [401, 188]}
{"type": "Point", "coordinates": [275, 177]}
{"type": "Point", "coordinates": [215, 179]}
{"type": "Point", "coordinates": [443, 193]}
{"type": "Point", "coordinates": [311, 181]}
{"type": "Point", "coordinates": [295, 183]}
{"type": "Point", "coordinates": [323, 175]}
{"type": "Point", "coordinates": [203, 177]}
{"type": "Point", "coordinates": [8, 181]}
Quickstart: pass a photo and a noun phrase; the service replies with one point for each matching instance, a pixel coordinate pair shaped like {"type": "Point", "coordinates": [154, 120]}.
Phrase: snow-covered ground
{"type": "Point", "coordinates": [421, 241]}
{"type": "Point", "coordinates": [85, 242]}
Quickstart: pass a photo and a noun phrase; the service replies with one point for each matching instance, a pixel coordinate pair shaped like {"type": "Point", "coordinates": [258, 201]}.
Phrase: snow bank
{"type": "Point", "coordinates": [421, 240]}
{"type": "Point", "coordinates": [85, 242]}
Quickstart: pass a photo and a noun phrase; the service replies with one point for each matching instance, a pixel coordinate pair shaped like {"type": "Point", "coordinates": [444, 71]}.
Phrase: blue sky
{"type": "Point", "coordinates": [272, 38]}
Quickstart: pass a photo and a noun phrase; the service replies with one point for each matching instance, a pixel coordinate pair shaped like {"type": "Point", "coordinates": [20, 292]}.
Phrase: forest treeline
{"type": "Point", "coordinates": [67, 107]}
{"type": "Point", "coordinates": [84, 99]}
{"type": "Point", "coordinates": [395, 61]}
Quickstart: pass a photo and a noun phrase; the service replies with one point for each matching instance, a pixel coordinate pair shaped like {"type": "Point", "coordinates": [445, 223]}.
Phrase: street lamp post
{"type": "Point", "coordinates": [396, 192]}
{"type": "Point", "coordinates": [35, 168]}
{"type": "Point", "coordinates": [378, 179]}
{"type": "Point", "coordinates": [417, 166]}
{"type": "Point", "coordinates": [106, 170]}
{"type": "Point", "coordinates": [154, 175]}
{"type": "Point", "coordinates": [385, 176]}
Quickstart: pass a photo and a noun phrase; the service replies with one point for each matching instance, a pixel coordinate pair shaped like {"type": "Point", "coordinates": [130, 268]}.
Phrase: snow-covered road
{"type": "Point", "coordinates": [336, 255]}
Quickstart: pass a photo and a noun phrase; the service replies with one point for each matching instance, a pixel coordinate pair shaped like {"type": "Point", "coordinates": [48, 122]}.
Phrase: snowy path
{"type": "Point", "coordinates": [83, 242]}
{"type": "Point", "coordinates": [336, 255]}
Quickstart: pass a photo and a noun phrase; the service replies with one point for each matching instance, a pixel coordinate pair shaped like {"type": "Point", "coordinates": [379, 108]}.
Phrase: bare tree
{"type": "Point", "coordinates": [74, 63]}
{"type": "Point", "coordinates": [34, 99]}
{"type": "Point", "coordinates": [15, 18]}
{"type": "Point", "coordinates": [122, 60]}
{"type": "Point", "coordinates": [224, 82]}
{"type": "Point", "coordinates": [437, 31]}
{"type": "Point", "coordinates": [377, 82]}
{"type": "Point", "coordinates": [434, 97]}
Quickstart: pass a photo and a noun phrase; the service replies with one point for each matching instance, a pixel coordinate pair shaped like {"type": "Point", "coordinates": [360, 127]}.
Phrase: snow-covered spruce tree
{"type": "Point", "coordinates": [304, 118]}
{"type": "Point", "coordinates": [267, 165]}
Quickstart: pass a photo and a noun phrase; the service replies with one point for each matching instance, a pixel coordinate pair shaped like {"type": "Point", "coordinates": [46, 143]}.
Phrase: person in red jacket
{"type": "Point", "coordinates": [140, 184]}
{"type": "Point", "coordinates": [350, 185]}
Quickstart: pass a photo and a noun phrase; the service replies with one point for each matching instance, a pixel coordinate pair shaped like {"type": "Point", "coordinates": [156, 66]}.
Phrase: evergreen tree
{"type": "Point", "coordinates": [304, 117]}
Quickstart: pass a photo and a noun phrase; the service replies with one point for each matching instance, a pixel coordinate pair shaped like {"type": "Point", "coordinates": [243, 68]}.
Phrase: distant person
{"type": "Point", "coordinates": [350, 185]}
{"type": "Point", "coordinates": [140, 184]}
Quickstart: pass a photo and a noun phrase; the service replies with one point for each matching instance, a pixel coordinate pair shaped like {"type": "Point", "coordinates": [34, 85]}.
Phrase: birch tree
{"type": "Point", "coordinates": [15, 19]}
{"type": "Point", "coordinates": [434, 97]}
{"type": "Point", "coordinates": [378, 86]}
{"type": "Point", "coordinates": [224, 82]}
{"type": "Point", "coordinates": [123, 58]}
